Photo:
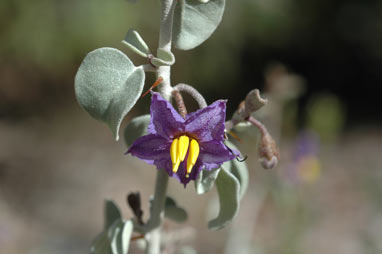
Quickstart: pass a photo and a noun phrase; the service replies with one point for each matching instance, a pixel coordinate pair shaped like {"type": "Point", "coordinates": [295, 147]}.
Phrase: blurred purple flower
{"type": "Point", "coordinates": [305, 166]}
{"type": "Point", "coordinates": [184, 147]}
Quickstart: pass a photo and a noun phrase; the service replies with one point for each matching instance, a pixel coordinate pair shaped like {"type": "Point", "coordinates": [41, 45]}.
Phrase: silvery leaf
{"type": "Point", "coordinates": [107, 86]}
{"type": "Point", "coordinates": [229, 198]}
{"type": "Point", "coordinates": [195, 21]}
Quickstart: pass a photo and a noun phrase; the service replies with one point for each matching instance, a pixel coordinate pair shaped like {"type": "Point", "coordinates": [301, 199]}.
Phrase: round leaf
{"type": "Point", "coordinates": [107, 86]}
{"type": "Point", "coordinates": [194, 22]}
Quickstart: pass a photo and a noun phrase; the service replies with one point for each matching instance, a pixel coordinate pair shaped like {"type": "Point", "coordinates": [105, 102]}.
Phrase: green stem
{"type": "Point", "coordinates": [157, 211]}
{"type": "Point", "coordinates": [165, 39]}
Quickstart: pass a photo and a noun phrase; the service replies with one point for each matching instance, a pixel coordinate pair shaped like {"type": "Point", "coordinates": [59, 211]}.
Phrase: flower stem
{"type": "Point", "coordinates": [157, 211]}
{"type": "Point", "coordinates": [193, 92]}
{"type": "Point", "coordinates": [165, 38]}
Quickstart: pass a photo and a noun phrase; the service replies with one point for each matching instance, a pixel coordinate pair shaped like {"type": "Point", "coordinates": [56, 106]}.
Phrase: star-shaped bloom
{"type": "Point", "coordinates": [184, 147]}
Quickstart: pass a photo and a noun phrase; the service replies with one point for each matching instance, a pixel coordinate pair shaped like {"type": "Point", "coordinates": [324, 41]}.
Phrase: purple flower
{"type": "Point", "coordinates": [183, 147]}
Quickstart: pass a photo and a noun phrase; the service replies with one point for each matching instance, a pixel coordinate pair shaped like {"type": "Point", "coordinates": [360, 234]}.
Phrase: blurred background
{"type": "Point", "coordinates": [317, 61]}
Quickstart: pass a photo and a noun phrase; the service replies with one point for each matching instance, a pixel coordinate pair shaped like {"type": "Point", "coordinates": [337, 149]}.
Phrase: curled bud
{"type": "Point", "coordinates": [268, 152]}
{"type": "Point", "coordinates": [252, 103]}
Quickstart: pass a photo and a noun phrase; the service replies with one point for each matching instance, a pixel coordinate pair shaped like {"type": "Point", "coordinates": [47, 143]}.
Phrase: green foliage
{"type": "Point", "coordinates": [239, 169]}
{"type": "Point", "coordinates": [112, 213]}
{"type": "Point", "coordinates": [173, 212]}
{"type": "Point", "coordinates": [206, 180]}
{"type": "Point", "coordinates": [121, 237]}
{"type": "Point", "coordinates": [164, 57]}
{"type": "Point", "coordinates": [136, 128]}
{"type": "Point", "coordinates": [115, 239]}
{"type": "Point", "coordinates": [194, 22]}
{"type": "Point", "coordinates": [107, 86]}
{"type": "Point", "coordinates": [231, 180]}
{"type": "Point", "coordinates": [229, 198]}
{"type": "Point", "coordinates": [135, 42]}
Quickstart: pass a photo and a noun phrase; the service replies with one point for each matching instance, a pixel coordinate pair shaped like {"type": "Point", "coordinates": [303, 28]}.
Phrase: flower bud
{"type": "Point", "coordinates": [268, 152]}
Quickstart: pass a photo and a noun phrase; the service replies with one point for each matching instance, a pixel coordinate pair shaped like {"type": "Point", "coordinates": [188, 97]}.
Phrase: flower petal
{"type": "Point", "coordinates": [180, 175]}
{"type": "Point", "coordinates": [151, 148]}
{"type": "Point", "coordinates": [208, 123]}
{"type": "Point", "coordinates": [214, 153]}
{"type": "Point", "coordinates": [165, 120]}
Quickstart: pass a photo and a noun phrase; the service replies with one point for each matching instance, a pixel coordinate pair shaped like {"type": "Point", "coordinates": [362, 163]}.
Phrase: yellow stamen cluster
{"type": "Point", "coordinates": [178, 152]}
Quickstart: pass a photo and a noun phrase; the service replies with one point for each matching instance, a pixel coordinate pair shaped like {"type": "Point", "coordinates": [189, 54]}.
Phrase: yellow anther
{"type": "Point", "coordinates": [192, 156]}
{"type": "Point", "coordinates": [183, 143]}
{"type": "Point", "coordinates": [175, 166]}
{"type": "Point", "coordinates": [174, 155]}
{"type": "Point", "coordinates": [178, 151]}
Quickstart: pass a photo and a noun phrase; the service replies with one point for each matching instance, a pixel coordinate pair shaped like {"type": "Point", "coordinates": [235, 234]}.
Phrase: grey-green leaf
{"type": "Point", "coordinates": [205, 180]}
{"type": "Point", "coordinates": [108, 85]}
{"type": "Point", "coordinates": [136, 128]}
{"type": "Point", "coordinates": [194, 22]}
{"type": "Point", "coordinates": [121, 237]}
{"type": "Point", "coordinates": [239, 169]}
{"type": "Point", "coordinates": [135, 42]}
{"type": "Point", "coordinates": [112, 213]}
{"type": "Point", "coordinates": [101, 244]}
{"type": "Point", "coordinates": [229, 195]}
{"type": "Point", "coordinates": [174, 212]}
{"type": "Point", "coordinates": [164, 57]}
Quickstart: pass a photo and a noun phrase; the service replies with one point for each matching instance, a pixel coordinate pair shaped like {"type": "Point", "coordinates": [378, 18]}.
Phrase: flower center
{"type": "Point", "coordinates": [178, 152]}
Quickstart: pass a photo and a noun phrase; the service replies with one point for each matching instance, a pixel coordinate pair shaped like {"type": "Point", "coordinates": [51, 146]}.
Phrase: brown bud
{"type": "Point", "coordinates": [268, 152]}
{"type": "Point", "coordinates": [134, 201]}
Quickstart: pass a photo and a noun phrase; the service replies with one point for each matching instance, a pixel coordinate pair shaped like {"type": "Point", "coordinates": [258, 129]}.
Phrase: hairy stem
{"type": "Point", "coordinates": [148, 68]}
{"type": "Point", "coordinates": [193, 92]}
{"type": "Point", "coordinates": [157, 211]}
{"type": "Point", "coordinates": [165, 38]}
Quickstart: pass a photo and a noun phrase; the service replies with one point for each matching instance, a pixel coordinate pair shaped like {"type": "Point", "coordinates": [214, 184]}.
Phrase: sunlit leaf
{"type": "Point", "coordinates": [194, 22]}
{"type": "Point", "coordinates": [163, 57]}
{"type": "Point", "coordinates": [107, 86]}
{"type": "Point", "coordinates": [135, 42]}
{"type": "Point", "coordinates": [229, 196]}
